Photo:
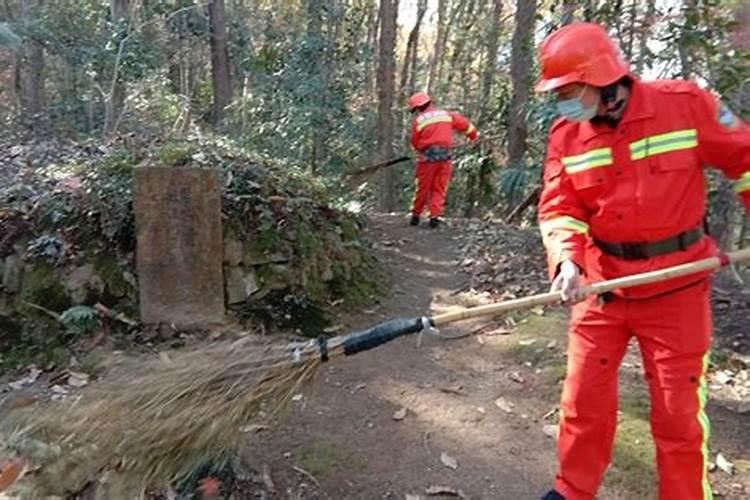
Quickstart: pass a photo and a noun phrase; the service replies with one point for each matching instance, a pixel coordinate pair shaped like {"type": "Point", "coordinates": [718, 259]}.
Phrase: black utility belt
{"type": "Point", "coordinates": [647, 250]}
{"type": "Point", "coordinates": [436, 154]}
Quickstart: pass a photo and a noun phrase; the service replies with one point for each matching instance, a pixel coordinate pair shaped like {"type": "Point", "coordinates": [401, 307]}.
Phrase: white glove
{"type": "Point", "coordinates": [568, 281]}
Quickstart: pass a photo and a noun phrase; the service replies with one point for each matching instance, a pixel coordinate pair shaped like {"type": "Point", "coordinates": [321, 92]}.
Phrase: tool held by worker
{"type": "Point", "coordinates": [159, 419]}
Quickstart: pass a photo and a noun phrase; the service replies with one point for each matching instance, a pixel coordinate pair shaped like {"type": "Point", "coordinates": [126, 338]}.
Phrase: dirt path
{"type": "Point", "coordinates": [343, 431]}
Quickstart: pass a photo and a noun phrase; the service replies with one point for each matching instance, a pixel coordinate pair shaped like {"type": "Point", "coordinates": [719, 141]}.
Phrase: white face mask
{"type": "Point", "coordinates": [573, 109]}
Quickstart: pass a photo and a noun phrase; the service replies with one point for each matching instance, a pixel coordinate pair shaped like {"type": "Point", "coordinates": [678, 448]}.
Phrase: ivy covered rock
{"type": "Point", "coordinates": [68, 239]}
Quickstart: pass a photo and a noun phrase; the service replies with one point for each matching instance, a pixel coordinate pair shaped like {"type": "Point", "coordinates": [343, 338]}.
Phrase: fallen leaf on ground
{"type": "Point", "coordinates": [550, 430]}
{"type": "Point", "coordinates": [456, 389]}
{"type": "Point", "coordinates": [444, 490]}
{"type": "Point", "coordinates": [267, 481]}
{"type": "Point", "coordinates": [209, 488]}
{"type": "Point", "coordinates": [550, 414]}
{"type": "Point", "coordinates": [400, 414]}
{"type": "Point", "coordinates": [93, 341]}
{"type": "Point", "coordinates": [724, 464]}
{"type": "Point", "coordinates": [10, 472]}
{"type": "Point", "coordinates": [253, 428]}
{"type": "Point", "coordinates": [448, 461]}
{"type": "Point", "coordinates": [29, 379]}
{"type": "Point", "coordinates": [499, 331]}
{"type": "Point", "coordinates": [77, 379]}
{"type": "Point", "coordinates": [504, 405]}
{"type": "Point", "coordinates": [724, 377]}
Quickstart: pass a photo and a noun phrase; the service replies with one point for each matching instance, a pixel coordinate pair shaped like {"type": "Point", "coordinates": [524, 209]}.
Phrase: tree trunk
{"type": "Point", "coordinates": [413, 64]}
{"type": "Point", "coordinates": [372, 40]}
{"type": "Point", "coordinates": [684, 44]}
{"type": "Point", "coordinates": [412, 49]}
{"type": "Point", "coordinates": [589, 10]}
{"type": "Point", "coordinates": [723, 209]}
{"type": "Point", "coordinates": [631, 30]}
{"type": "Point", "coordinates": [439, 48]}
{"type": "Point", "coordinates": [490, 70]}
{"type": "Point", "coordinates": [316, 72]}
{"type": "Point", "coordinates": [458, 19]}
{"type": "Point", "coordinates": [520, 72]}
{"type": "Point", "coordinates": [386, 89]}
{"type": "Point", "coordinates": [220, 76]}
{"type": "Point", "coordinates": [568, 14]}
{"type": "Point", "coordinates": [32, 77]}
{"type": "Point", "coordinates": [119, 10]}
{"type": "Point", "coordinates": [644, 34]}
{"type": "Point", "coordinates": [408, 70]}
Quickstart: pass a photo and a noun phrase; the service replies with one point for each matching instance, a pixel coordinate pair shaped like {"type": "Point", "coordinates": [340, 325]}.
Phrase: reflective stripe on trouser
{"type": "Point", "coordinates": [432, 184]}
{"type": "Point", "coordinates": [673, 332]}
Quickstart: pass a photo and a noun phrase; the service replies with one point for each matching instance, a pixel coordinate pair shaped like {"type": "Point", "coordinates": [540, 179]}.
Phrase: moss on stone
{"type": "Point", "coordinates": [41, 286]}
{"type": "Point", "coordinates": [111, 273]}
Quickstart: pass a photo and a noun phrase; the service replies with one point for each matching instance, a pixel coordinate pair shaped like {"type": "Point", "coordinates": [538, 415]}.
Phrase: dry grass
{"type": "Point", "coordinates": [156, 420]}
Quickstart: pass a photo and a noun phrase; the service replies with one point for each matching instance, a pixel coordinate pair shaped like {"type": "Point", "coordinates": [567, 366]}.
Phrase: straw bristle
{"type": "Point", "coordinates": [166, 418]}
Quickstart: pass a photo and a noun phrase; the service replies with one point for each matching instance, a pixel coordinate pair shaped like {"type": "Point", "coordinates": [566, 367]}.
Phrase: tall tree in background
{"type": "Point", "coordinates": [115, 101]}
{"type": "Point", "coordinates": [220, 76]}
{"type": "Point", "coordinates": [492, 44]}
{"type": "Point", "coordinates": [315, 56]}
{"type": "Point", "coordinates": [644, 33]}
{"type": "Point", "coordinates": [439, 48]}
{"type": "Point", "coordinates": [568, 13]}
{"type": "Point", "coordinates": [521, 64]}
{"type": "Point", "coordinates": [32, 74]}
{"type": "Point", "coordinates": [373, 25]}
{"type": "Point", "coordinates": [386, 89]}
{"type": "Point", "coordinates": [687, 42]}
{"type": "Point", "coordinates": [409, 69]}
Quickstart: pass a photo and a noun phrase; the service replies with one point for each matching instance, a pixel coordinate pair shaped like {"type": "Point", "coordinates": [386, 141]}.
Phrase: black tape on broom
{"type": "Point", "coordinates": [381, 334]}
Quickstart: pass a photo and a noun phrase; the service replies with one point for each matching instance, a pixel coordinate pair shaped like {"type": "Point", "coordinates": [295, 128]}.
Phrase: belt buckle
{"type": "Point", "coordinates": [633, 251]}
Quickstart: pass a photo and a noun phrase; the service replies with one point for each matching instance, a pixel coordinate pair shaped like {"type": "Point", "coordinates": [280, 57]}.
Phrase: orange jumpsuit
{"type": "Point", "coordinates": [607, 191]}
{"type": "Point", "coordinates": [433, 128]}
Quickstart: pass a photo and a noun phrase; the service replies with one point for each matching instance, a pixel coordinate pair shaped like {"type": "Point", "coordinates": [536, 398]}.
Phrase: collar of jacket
{"type": "Point", "coordinates": [640, 106]}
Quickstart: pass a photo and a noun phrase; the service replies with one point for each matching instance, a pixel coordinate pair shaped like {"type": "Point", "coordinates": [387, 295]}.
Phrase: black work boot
{"type": "Point", "coordinates": [414, 220]}
{"type": "Point", "coordinates": [553, 495]}
{"type": "Point", "coordinates": [434, 222]}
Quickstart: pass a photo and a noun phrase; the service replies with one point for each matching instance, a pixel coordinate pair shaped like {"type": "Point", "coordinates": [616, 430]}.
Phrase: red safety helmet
{"type": "Point", "coordinates": [580, 53]}
{"type": "Point", "coordinates": [418, 100]}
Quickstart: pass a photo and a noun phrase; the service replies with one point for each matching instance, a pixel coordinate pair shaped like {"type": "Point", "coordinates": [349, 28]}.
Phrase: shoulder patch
{"type": "Point", "coordinates": [726, 116]}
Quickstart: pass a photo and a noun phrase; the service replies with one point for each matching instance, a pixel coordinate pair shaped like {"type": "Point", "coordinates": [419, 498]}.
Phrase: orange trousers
{"type": "Point", "coordinates": [673, 332]}
{"type": "Point", "coordinates": [432, 184]}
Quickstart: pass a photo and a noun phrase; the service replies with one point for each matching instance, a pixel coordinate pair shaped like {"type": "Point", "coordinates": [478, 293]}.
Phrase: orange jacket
{"type": "Point", "coordinates": [434, 127]}
{"type": "Point", "coordinates": [642, 181]}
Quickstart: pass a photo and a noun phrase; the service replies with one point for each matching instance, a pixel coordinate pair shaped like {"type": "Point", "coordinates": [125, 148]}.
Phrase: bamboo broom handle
{"type": "Point", "coordinates": [595, 288]}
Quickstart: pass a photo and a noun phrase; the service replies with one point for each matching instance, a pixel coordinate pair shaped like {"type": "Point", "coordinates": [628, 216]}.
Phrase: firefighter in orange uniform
{"type": "Point", "coordinates": [624, 193]}
{"type": "Point", "coordinates": [432, 136]}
